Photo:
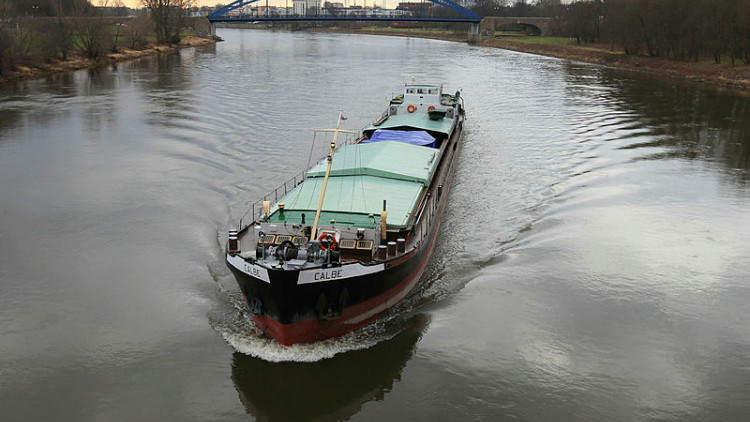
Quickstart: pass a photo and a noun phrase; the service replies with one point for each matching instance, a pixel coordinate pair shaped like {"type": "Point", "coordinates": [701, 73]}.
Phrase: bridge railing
{"type": "Point", "coordinates": [229, 13]}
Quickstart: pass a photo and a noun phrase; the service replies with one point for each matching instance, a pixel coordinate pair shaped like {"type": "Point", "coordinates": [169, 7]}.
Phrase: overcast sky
{"type": "Point", "coordinates": [389, 3]}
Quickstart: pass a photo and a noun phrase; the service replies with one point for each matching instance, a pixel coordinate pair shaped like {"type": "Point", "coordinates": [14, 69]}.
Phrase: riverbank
{"type": "Point", "coordinates": [706, 72]}
{"type": "Point", "coordinates": [76, 62]}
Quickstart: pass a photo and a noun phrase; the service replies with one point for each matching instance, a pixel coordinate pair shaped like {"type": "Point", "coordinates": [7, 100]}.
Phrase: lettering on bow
{"type": "Point", "coordinates": [327, 275]}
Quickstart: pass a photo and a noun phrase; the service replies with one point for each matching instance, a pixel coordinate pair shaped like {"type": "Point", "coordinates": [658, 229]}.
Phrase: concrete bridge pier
{"type": "Point", "coordinates": [213, 29]}
{"type": "Point", "coordinates": [474, 32]}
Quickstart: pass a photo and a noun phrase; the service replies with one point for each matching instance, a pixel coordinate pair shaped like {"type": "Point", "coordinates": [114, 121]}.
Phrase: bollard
{"type": "Point", "coordinates": [234, 245]}
{"type": "Point", "coordinates": [391, 248]}
{"type": "Point", "coordinates": [382, 251]}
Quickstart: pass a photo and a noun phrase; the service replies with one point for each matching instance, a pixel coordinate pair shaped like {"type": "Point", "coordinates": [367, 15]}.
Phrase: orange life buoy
{"type": "Point", "coordinates": [430, 108]}
{"type": "Point", "coordinates": [411, 108]}
{"type": "Point", "coordinates": [324, 236]}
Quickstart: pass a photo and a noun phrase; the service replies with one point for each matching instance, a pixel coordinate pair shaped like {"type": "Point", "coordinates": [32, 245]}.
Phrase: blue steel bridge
{"type": "Point", "coordinates": [463, 15]}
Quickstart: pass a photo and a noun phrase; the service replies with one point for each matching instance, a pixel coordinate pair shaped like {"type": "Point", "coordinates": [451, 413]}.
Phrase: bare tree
{"type": "Point", "coordinates": [6, 46]}
{"type": "Point", "coordinates": [6, 35]}
{"type": "Point", "coordinates": [680, 29]}
{"type": "Point", "coordinates": [15, 45]}
{"type": "Point", "coordinates": [91, 33]}
{"type": "Point", "coordinates": [6, 10]}
{"type": "Point", "coordinates": [583, 20]}
{"type": "Point", "coordinates": [168, 17]}
{"type": "Point", "coordinates": [742, 31]}
{"type": "Point", "coordinates": [50, 39]}
{"type": "Point", "coordinates": [487, 7]}
{"type": "Point", "coordinates": [548, 8]}
{"type": "Point", "coordinates": [116, 22]}
{"type": "Point", "coordinates": [137, 31]}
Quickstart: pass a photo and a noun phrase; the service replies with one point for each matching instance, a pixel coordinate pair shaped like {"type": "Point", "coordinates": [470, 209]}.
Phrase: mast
{"type": "Point", "coordinates": [328, 168]}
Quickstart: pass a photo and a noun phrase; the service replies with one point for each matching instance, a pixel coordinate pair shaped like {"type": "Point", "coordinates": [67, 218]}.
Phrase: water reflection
{"type": "Point", "coordinates": [335, 388]}
{"type": "Point", "coordinates": [668, 120]}
{"type": "Point", "coordinates": [9, 118]}
{"type": "Point", "coordinates": [169, 92]}
{"type": "Point", "coordinates": [686, 120]}
{"type": "Point", "coordinates": [84, 97]}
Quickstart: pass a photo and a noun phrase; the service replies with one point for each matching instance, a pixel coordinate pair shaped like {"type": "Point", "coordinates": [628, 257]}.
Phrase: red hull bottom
{"type": "Point", "coordinates": [351, 318]}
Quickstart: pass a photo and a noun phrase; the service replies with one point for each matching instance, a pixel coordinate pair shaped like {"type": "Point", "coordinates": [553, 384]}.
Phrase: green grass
{"type": "Point", "coordinates": [417, 30]}
{"type": "Point", "coordinates": [538, 40]}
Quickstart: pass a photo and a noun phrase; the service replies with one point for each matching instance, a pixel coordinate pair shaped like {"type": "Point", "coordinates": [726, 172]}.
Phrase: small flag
{"type": "Point", "coordinates": [342, 117]}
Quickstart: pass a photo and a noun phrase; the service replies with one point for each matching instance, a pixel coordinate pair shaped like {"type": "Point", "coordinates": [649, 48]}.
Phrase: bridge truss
{"type": "Point", "coordinates": [221, 15]}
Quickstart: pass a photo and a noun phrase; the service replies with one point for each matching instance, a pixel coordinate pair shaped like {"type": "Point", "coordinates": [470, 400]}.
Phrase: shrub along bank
{"type": "Point", "coordinates": [32, 46]}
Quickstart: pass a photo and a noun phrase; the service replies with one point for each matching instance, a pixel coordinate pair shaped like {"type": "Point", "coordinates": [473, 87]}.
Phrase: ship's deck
{"type": "Point", "coordinates": [418, 120]}
{"type": "Point", "coordinates": [362, 176]}
{"type": "Point", "coordinates": [386, 159]}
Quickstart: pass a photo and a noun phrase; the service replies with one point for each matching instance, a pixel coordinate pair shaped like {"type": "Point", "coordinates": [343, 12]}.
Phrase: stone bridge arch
{"type": "Point", "coordinates": [490, 24]}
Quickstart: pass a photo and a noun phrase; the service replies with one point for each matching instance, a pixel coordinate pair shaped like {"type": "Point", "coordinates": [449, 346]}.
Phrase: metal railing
{"type": "Point", "coordinates": [256, 209]}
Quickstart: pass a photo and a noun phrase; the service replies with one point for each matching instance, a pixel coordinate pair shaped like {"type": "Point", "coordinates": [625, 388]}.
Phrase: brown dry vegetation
{"type": "Point", "coordinates": [723, 74]}
{"type": "Point", "coordinates": [40, 37]}
{"type": "Point", "coordinates": [77, 61]}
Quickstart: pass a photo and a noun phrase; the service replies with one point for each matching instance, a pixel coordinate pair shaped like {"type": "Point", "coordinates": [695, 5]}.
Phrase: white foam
{"type": "Point", "coordinates": [237, 328]}
{"type": "Point", "coordinates": [254, 344]}
{"type": "Point", "coordinates": [235, 325]}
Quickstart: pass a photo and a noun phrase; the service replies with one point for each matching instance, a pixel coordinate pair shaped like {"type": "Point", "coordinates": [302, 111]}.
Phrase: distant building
{"type": "Point", "coordinates": [206, 10]}
{"type": "Point", "coordinates": [261, 11]}
{"type": "Point", "coordinates": [414, 6]}
{"type": "Point", "coordinates": [307, 7]}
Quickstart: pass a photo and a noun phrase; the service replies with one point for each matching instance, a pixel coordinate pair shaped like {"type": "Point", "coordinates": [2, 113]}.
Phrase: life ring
{"type": "Point", "coordinates": [430, 108]}
{"type": "Point", "coordinates": [331, 242]}
{"type": "Point", "coordinates": [411, 108]}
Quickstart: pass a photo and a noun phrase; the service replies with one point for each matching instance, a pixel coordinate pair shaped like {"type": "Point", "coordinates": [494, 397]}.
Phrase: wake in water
{"type": "Point", "coordinates": [232, 321]}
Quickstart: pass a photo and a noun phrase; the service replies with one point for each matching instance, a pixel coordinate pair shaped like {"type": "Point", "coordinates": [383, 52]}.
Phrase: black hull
{"type": "Point", "coordinates": [287, 302]}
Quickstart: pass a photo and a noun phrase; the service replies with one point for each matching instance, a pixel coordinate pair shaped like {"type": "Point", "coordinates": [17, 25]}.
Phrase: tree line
{"type": "Point", "coordinates": [37, 32]}
{"type": "Point", "coordinates": [677, 29]}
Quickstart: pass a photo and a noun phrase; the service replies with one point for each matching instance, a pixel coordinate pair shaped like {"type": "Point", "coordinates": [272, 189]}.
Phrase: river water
{"type": "Point", "coordinates": [594, 263]}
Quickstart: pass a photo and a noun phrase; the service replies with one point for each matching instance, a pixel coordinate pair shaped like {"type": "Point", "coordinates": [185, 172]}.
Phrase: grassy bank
{"type": "Point", "coordinates": [78, 62]}
{"type": "Point", "coordinates": [431, 33]}
{"type": "Point", "coordinates": [724, 74]}
{"type": "Point", "coordinates": [708, 72]}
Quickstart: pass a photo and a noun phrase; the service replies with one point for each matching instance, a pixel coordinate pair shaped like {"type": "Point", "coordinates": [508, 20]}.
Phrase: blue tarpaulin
{"type": "Point", "coordinates": [414, 137]}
